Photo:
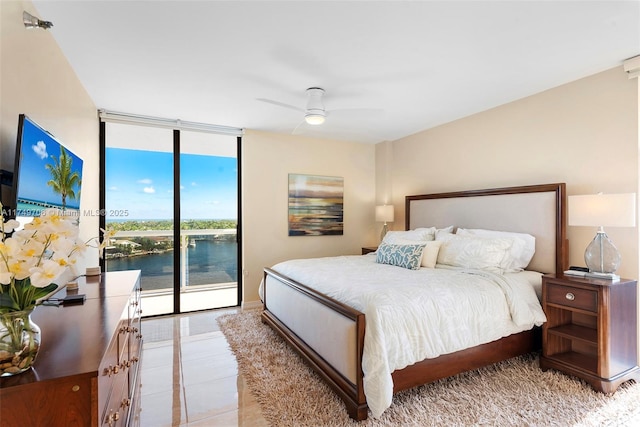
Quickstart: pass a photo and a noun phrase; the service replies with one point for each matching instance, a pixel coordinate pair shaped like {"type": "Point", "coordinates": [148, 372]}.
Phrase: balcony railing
{"type": "Point", "coordinates": [208, 267]}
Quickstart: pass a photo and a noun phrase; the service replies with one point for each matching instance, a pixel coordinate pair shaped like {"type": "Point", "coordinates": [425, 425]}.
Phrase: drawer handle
{"type": "Point", "coordinates": [111, 370]}
{"type": "Point", "coordinates": [112, 418]}
{"type": "Point", "coordinates": [570, 296]}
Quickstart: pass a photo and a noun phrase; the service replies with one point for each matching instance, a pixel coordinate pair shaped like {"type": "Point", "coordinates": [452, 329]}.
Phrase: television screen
{"type": "Point", "coordinates": [46, 174]}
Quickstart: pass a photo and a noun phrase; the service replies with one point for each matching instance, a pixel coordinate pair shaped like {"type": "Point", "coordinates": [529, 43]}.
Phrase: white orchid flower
{"type": "Point", "coordinates": [5, 277]}
{"type": "Point", "coordinates": [46, 273]}
{"type": "Point", "coordinates": [10, 225]}
{"type": "Point", "coordinates": [44, 249]}
{"type": "Point", "coordinates": [19, 269]}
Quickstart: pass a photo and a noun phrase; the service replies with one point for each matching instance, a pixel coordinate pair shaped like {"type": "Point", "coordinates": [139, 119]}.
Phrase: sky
{"type": "Point", "coordinates": [140, 185]}
{"type": "Point", "coordinates": [37, 147]}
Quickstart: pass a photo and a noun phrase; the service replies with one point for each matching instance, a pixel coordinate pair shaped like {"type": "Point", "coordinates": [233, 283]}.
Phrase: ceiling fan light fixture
{"type": "Point", "coordinates": [315, 114]}
{"type": "Point", "coordinates": [314, 117]}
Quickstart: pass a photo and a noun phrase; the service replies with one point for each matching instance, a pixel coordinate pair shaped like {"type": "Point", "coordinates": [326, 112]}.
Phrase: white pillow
{"type": "Point", "coordinates": [429, 254]}
{"type": "Point", "coordinates": [481, 253]}
{"type": "Point", "coordinates": [522, 248]}
{"type": "Point", "coordinates": [418, 234]}
{"type": "Point", "coordinates": [446, 230]}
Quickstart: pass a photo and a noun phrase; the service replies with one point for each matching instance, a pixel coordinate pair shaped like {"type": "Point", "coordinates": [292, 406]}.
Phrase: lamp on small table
{"type": "Point", "coordinates": [384, 213]}
{"type": "Point", "coordinates": [611, 210]}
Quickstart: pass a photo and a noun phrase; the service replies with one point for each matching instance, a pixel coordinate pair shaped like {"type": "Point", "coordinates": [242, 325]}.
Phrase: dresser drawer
{"type": "Point", "coordinates": [107, 372]}
{"type": "Point", "coordinates": [117, 409]}
{"type": "Point", "coordinates": [572, 297]}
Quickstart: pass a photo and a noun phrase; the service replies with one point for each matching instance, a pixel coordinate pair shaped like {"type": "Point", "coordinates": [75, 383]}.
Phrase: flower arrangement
{"type": "Point", "coordinates": [33, 258]}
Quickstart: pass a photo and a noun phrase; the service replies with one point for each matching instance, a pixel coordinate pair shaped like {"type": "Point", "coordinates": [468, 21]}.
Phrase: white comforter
{"type": "Point", "coordinates": [412, 315]}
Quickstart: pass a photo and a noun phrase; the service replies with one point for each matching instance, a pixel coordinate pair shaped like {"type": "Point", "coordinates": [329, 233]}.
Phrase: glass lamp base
{"type": "Point", "coordinates": [384, 231]}
{"type": "Point", "coordinates": [601, 255]}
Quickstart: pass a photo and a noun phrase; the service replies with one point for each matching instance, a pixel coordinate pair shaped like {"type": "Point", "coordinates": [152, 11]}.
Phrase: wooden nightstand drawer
{"type": "Point", "coordinates": [573, 297]}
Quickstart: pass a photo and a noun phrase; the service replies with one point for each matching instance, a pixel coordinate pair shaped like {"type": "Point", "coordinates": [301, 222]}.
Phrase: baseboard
{"type": "Point", "coordinates": [251, 305]}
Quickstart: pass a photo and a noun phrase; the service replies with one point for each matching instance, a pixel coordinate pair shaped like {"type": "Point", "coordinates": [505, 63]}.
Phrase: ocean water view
{"type": "Point", "coordinates": [208, 262]}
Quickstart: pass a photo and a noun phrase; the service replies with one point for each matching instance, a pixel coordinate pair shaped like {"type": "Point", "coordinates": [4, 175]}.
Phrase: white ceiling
{"type": "Point", "coordinates": [403, 66]}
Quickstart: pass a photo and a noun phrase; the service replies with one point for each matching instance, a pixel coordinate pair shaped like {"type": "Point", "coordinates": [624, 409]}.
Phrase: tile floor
{"type": "Point", "coordinates": [190, 376]}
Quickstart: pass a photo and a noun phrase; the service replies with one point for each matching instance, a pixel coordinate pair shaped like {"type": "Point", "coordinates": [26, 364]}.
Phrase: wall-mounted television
{"type": "Point", "coordinates": [46, 174]}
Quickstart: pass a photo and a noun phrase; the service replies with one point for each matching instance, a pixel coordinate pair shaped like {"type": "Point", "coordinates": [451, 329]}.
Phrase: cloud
{"type": "Point", "coordinates": [40, 148]}
{"type": "Point", "coordinates": [145, 181]}
{"type": "Point", "coordinates": [193, 184]}
{"type": "Point", "coordinates": [149, 190]}
{"type": "Point", "coordinates": [114, 188]}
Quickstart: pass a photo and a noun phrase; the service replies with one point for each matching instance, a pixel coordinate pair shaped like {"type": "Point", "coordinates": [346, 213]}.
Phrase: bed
{"type": "Point", "coordinates": [329, 331]}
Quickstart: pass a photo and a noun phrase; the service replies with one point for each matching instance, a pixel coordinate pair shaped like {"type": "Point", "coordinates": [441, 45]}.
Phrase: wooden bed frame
{"type": "Point", "coordinates": [459, 209]}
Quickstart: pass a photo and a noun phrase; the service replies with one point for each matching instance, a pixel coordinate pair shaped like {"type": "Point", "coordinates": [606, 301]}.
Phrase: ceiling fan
{"type": "Point", "coordinates": [314, 113]}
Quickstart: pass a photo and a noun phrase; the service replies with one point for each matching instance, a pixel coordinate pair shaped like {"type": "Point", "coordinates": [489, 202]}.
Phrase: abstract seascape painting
{"type": "Point", "coordinates": [316, 205]}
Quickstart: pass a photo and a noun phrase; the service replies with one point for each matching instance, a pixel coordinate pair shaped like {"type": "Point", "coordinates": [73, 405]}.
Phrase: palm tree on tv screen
{"type": "Point", "coordinates": [63, 179]}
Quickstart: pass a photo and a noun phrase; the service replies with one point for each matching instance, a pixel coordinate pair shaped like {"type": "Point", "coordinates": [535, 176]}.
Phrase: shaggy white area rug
{"type": "Point", "coordinates": [511, 393]}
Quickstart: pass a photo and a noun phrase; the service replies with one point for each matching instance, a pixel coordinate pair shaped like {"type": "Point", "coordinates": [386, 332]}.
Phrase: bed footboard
{"type": "Point", "coordinates": [333, 350]}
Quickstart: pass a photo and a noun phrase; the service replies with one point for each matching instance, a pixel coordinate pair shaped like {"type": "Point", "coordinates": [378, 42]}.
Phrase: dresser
{"type": "Point", "coordinates": [591, 330]}
{"type": "Point", "coordinates": [87, 370]}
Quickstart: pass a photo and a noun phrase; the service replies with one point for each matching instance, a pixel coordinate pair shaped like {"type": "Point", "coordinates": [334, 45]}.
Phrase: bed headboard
{"type": "Point", "coordinates": [539, 210]}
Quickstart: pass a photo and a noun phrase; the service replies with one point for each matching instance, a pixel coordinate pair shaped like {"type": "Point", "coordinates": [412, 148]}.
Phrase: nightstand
{"type": "Point", "coordinates": [369, 249]}
{"type": "Point", "coordinates": [591, 330]}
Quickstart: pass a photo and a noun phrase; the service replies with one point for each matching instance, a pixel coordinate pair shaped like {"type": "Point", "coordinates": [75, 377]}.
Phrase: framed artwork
{"type": "Point", "coordinates": [316, 205]}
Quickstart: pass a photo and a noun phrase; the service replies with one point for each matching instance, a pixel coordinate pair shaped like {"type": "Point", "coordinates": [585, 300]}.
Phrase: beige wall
{"type": "Point", "coordinates": [584, 133]}
{"type": "Point", "coordinates": [37, 80]}
{"type": "Point", "coordinates": [267, 160]}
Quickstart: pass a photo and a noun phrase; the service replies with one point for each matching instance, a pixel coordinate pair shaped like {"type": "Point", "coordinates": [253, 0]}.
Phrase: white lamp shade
{"type": "Point", "coordinates": [384, 213]}
{"type": "Point", "coordinates": [610, 210]}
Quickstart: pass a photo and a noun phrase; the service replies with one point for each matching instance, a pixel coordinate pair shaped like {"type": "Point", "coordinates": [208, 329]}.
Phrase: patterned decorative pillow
{"type": "Point", "coordinates": [405, 256]}
{"type": "Point", "coordinates": [430, 252]}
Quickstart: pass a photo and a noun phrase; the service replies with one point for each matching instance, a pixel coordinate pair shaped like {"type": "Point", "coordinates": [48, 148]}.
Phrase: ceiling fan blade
{"type": "Point", "coordinates": [299, 129]}
{"type": "Point", "coordinates": [280, 104]}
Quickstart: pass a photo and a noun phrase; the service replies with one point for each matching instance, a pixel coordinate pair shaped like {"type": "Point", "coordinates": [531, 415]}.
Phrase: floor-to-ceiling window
{"type": "Point", "coordinates": [209, 212]}
{"type": "Point", "coordinates": [172, 198]}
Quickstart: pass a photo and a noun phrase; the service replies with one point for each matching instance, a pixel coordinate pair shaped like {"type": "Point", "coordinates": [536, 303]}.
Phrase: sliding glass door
{"type": "Point", "coordinates": [209, 221]}
{"type": "Point", "coordinates": [172, 199]}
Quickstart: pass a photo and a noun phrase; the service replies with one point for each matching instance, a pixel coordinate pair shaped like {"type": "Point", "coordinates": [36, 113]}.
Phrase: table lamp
{"type": "Point", "coordinates": [600, 210]}
{"type": "Point", "coordinates": [384, 214]}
